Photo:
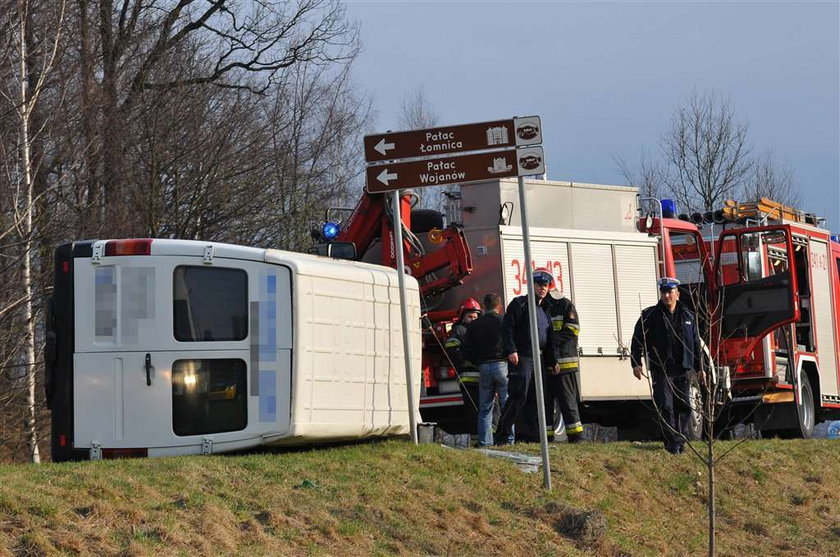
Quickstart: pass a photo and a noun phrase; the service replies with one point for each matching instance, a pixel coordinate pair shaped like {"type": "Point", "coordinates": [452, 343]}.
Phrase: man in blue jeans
{"type": "Point", "coordinates": [483, 346]}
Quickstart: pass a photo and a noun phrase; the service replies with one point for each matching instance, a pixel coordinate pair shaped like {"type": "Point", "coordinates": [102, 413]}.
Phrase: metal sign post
{"type": "Point", "coordinates": [409, 380]}
{"type": "Point", "coordinates": [535, 343]}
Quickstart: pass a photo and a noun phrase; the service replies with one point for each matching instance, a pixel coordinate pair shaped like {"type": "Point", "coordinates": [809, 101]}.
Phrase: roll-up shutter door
{"type": "Point", "coordinates": [636, 275]}
{"type": "Point", "coordinates": [824, 316]}
{"type": "Point", "coordinates": [593, 285]}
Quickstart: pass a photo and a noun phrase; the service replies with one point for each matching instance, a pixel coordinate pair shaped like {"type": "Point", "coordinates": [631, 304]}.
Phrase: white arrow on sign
{"type": "Point", "coordinates": [385, 178]}
{"type": "Point", "coordinates": [383, 147]}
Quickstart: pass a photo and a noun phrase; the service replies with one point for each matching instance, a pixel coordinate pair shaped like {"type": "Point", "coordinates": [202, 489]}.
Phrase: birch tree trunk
{"type": "Point", "coordinates": [26, 231]}
{"type": "Point", "coordinates": [36, 59]}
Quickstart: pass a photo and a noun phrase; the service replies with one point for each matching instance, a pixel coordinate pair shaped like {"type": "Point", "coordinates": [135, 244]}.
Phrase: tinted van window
{"type": "Point", "coordinates": [210, 304]}
{"type": "Point", "coordinates": [208, 396]}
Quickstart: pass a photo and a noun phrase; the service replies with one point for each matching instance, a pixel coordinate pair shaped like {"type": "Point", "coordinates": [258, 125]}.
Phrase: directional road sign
{"type": "Point", "coordinates": [524, 161]}
{"type": "Point", "coordinates": [515, 132]}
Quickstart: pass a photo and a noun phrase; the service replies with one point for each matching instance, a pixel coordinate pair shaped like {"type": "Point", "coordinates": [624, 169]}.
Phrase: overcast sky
{"type": "Point", "coordinates": [606, 76]}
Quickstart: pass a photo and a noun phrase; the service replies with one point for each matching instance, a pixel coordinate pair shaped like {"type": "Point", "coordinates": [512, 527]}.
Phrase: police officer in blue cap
{"type": "Point", "coordinates": [516, 336]}
{"type": "Point", "coordinates": [666, 336]}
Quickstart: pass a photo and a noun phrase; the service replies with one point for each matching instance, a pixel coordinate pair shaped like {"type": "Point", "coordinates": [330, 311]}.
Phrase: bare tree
{"type": "Point", "coordinates": [313, 159]}
{"type": "Point", "coordinates": [417, 113]}
{"type": "Point", "coordinates": [707, 153]}
{"type": "Point", "coordinates": [125, 48]}
{"type": "Point", "coordinates": [700, 389]}
{"type": "Point", "coordinates": [707, 391]}
{"type": "Point", "coordinates": [772, 179]}
{"type": "Point", "coordinates": [32, 60]}
{"type": "Point", "coordinates": [648, 176]}
{"type": "Point", "coordinates": [224, 164]}
{"type": "Point", "coordinates": [162, 118]}
{"type": "Point", "coordinates": [198, 161]}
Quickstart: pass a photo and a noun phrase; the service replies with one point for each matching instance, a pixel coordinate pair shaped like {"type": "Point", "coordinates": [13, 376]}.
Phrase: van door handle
{"type": "Point", "coordinates": [148, 369]}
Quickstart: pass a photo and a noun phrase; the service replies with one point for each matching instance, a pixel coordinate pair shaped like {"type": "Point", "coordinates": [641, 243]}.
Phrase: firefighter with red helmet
{"type": "Point", "coordinates": [467, 312]}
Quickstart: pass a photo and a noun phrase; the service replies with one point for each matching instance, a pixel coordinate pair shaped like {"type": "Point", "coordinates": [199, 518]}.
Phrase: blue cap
{"type": "Point", "coordinates": [667, 283]}
{"type": "Point", "coordinates": [543, 277]}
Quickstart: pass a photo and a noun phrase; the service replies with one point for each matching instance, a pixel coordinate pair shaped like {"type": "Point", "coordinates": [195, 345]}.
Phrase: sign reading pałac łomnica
{"type": "Point", "coordinates": [455, 170]}
{"type": "Point", "coordinates": [516, 132]}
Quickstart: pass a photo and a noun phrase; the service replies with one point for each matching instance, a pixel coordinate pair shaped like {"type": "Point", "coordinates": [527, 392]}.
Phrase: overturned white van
{"type": "Point", "coordinates": [164, 347]}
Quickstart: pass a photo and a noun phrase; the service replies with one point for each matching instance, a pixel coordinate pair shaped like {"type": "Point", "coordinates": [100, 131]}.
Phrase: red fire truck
{"type": "Point", "coordinates": [769, 296]}
{"type": "Point", "coordinates": [773, 265]}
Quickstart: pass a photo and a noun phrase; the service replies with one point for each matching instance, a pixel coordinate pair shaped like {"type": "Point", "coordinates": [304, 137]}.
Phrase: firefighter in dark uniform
{"type": "Point", "coordinates": [666, 336]}
{"type": "Point", "coordinates": [468, 374]}
{"type": "Point", "coordinates": [516, 333]}
{"type": "Point", "coordinates": [562, 380]}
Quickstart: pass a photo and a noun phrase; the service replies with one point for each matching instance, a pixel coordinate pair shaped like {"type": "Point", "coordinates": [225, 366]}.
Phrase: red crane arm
{"type": "Point", "coordinates": [369, 221]}
{"type": "Point", "coordinates": [453, 258]}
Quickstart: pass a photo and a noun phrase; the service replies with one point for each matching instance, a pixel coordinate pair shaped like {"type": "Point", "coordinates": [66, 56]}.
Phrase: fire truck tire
{"type": "Point", "coordinates": [695, 396]}
{"type": "Point", "coordinates": [805, 413]}
{"type": "Point", "coordinates": [423, 220]}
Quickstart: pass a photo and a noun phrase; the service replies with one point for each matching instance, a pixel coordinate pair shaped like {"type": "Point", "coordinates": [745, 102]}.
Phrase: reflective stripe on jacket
{"type": "Point", "coordinates": [565, 331]}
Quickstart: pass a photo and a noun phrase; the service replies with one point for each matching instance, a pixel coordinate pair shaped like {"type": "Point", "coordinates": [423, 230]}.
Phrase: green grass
{"type": "Point", "coordinates": [774, 498]}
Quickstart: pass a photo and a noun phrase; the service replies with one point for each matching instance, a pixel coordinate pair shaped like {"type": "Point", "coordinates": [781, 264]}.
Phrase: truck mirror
{"type": "Point", "coordinates": [336, 250]}
{"type": "Point", "coordinates": [342, 250]}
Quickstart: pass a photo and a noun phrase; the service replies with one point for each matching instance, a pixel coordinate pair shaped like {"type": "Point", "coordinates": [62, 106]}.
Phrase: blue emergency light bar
{"type": "Point", "coordinates": [330, 231]}
{"type": "Point", "coordinates": [669, 208]}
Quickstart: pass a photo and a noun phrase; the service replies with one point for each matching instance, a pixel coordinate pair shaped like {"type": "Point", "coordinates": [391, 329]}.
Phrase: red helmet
{"type": "Point", "coordinates": [544, 276]}
{"type": "Point", "coordinates": [470, 304]}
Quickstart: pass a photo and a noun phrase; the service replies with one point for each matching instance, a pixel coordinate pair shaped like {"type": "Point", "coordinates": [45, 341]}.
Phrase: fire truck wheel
{"type": "Point", "coordinates": [805, 413]}
{"type": "Point", "coordinates": [695, 397]}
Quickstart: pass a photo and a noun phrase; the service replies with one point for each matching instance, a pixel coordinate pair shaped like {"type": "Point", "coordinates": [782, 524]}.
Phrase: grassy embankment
{"type": "Point", "coordinates": [775, 498]}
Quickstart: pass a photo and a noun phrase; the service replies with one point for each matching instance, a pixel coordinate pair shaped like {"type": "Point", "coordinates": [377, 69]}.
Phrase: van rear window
{"type": "Point", "coordinates": [208, 396]}
{"type": "Point", "coordinates": [210, 304]}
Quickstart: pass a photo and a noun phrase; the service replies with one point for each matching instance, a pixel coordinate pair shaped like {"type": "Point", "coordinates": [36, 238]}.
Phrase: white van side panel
{"type": "Point", "coordinates": [349, 354]}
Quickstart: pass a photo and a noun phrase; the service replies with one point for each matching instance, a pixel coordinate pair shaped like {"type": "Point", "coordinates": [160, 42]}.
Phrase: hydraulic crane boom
{"type": "Point", "coordinates": [372, 219]}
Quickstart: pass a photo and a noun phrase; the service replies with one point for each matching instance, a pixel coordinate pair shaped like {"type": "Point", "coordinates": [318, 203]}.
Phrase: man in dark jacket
{"type": "Point", "coordinates": [562, 379]}
{"type": "Point", "coordinates": [666, 336]}
{"type": "Point", "coordinates": [483, 346]}
{"type": "Point", "coordinates": [516, 333]}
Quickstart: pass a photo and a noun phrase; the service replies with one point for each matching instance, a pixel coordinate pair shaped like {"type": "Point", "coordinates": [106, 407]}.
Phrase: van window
{"type": "Point", "coordinates": [210, 304]}
{"type": "Point", "coordinates": [208, 396]}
